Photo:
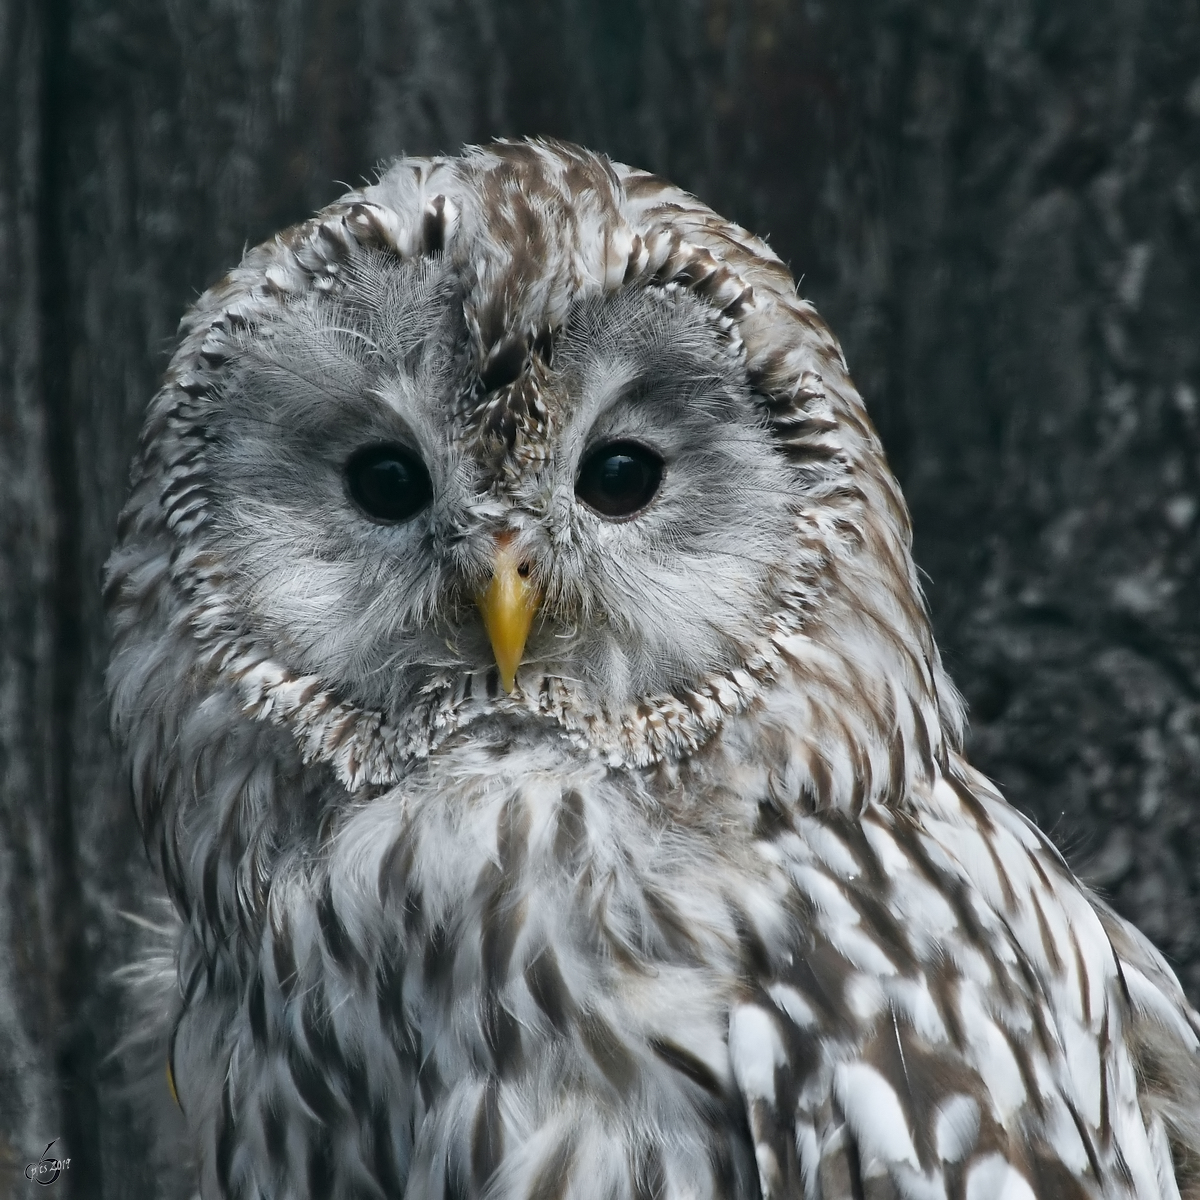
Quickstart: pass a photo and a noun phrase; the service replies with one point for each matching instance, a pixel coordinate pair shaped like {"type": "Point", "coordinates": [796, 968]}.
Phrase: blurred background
{"type": "Point", "coordinates": [995, 204]}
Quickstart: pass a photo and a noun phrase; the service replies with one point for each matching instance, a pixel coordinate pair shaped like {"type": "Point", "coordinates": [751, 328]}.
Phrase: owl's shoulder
{"type": "Point", "coordinates": [955, 1010]}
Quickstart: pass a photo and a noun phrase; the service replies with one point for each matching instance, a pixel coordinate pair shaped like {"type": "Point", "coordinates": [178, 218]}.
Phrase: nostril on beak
{"type": "Point", "coordinates": [523, 570]}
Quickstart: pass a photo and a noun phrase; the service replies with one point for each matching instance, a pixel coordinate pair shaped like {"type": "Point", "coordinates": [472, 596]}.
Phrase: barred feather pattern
{"type": "Point", "coordinates": [750, 927]}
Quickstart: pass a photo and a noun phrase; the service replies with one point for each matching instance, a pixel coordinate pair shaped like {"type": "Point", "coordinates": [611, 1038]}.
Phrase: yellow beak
{"type": "Point", "coordinates": [508, 604]}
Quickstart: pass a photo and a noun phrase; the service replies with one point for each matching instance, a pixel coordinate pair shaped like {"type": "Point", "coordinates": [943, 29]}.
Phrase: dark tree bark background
{"type": "Point", "coordinates": [995, 203]}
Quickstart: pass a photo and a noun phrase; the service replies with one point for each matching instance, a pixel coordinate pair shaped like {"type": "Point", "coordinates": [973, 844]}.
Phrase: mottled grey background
{"type": "Point", "coordinates": [996, 204]}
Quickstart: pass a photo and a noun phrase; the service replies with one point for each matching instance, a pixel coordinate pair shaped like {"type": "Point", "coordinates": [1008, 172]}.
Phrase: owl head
{"type": "Point", "coordinates": [525, 438]}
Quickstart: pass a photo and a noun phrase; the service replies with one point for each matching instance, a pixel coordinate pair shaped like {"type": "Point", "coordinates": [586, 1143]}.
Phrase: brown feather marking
{"type": "Point", "coordinates": [334, 936]}
{"type": "Point", "coordinates": [897, 769]}
{"type": "Point", "coordinates": [839, 1170]}
{"type": "Point", "coordinates": [394, 869]}
{"type": "Point", "coordinates": [549, 990]}
{"type": "Point", "coordinates": [256, 1009]}
{"type": "Point", "coordinates": [674, 928]}
{"type": "Point", "coordinates": [502, 918]}
{"type": "Point", "coordinates": [886, 930]}
{"type": "Point", "coordinates": [819, 973]}
{"type": "Point", "coordinates": [429, 1080]}
{"type": "Point", "coordinates": [274, 1124]}
{"type": "Point", "coordinates": [649, 1181]}
{"type": "Point", "coordinates": [1049, 946]}
{"type": "Point", "coordinates": [282, 954]}
{"type": "Point", "coordinates": [487, 1136]}
{"type": "Point", "coordinates": [822, 779]}
{"type": "Point", "coordinates": [384, 1154]}
{"type": "Point", "coordinates": [922, 1077]}
{"type": "Point", "coordinates": [570, 834]}
{"type": "Point", "coordinates": [225, 1139]}
{"type": "Point", "coordinates": [389, 1000]}
{"type": "Point", "coordinates": [1050, 1177]}
{"type": "Point", "coordinates": [433, 226]}
{"type": "Point", "coordinates": [505, 362]}
{"type": "Point", "coordinates": [1105, 1047]}
{"type": "Point", "coordinates": [608, 1052]}
{"type": "Point", "coordinates": [554, 1176]}
{"type": "Point", "coordinates": [438, 959]}
{"type": "Point", "coordinates": [687, 1064]}
{"type": "Point", "coordinates": [312, 1080]}
{"type": "Point", "coordinates": [322, 1165]}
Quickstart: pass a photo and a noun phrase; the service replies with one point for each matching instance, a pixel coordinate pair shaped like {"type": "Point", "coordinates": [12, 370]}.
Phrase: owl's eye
{"type": "Point", "coordinates": [389, 483]}
{"type": "Point", "coordinates": [619, 479]}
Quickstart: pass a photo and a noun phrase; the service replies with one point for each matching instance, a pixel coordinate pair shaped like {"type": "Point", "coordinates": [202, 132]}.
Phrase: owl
{"type": "Point", "coordinates": [530, 701]}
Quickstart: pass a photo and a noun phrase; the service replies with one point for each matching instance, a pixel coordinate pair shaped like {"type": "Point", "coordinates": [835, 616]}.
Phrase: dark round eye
{"type": "Point", "coordinates": [619, 479]}
{"type": "Point", "coordinates": [389, 483]}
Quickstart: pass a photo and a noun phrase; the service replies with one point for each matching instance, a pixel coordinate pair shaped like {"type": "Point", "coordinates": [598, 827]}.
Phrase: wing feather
{"type": "Point", "coordinates": [953, 1016]}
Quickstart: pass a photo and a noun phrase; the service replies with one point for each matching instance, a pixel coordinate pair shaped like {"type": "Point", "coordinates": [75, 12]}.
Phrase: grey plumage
{"type": "Point", "coordinates": [710, 904]}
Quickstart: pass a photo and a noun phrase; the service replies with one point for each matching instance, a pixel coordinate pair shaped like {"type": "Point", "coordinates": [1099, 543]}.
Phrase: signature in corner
{"type": "Point", "coordinates": [47, 1169]}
